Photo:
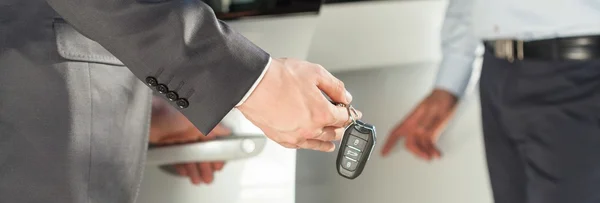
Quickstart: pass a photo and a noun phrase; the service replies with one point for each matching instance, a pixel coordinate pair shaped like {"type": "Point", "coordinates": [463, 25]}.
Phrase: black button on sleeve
{"type": "Point", "coordinates": [182, 103]}
{"type": "Point", "coordinates": [172, 96]}
{"type": "Point", "coordinates": [151, 81]}
{"type": "Point", "coordinates": [162, 89]}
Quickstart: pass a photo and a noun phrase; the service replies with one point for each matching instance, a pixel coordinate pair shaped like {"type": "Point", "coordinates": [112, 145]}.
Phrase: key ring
{"type": "Point", "coordinates": [350, 109]}
{"type": "Point", "coordinates": [352, 117]}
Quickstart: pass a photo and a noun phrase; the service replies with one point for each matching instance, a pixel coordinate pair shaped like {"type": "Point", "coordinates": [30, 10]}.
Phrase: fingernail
{"type": "Point", "coordinates": [348, 96]}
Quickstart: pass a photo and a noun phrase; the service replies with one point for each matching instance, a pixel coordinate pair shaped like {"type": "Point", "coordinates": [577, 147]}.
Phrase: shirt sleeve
{"type": "Point", "coordinates": [255, 84]}
{"type": "Point", "coordinates": [458, 48]}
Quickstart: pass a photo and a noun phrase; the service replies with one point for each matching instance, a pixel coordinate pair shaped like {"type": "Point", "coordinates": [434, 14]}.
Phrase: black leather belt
{"type": "Point", "coordinates": [557, 49]}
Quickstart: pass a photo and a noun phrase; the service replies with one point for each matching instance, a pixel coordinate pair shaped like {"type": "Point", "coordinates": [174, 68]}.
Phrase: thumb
{"type": "Point", "coordinates": [333, 88]}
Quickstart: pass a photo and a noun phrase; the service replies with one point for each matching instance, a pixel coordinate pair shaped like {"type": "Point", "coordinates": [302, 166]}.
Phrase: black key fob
{"type": "Point", "coordinates": [355, 149]}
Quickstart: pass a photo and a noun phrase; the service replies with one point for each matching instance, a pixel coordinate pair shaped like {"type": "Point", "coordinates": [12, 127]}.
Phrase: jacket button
{"type": "Point", "coordinates": [182, 103]}
{"type": "Point", "coordinates": [172, 96]}
{"type": "Point", "coordinates": [162, 89]}
{"type": "Point", "coordinates": [151, 81]}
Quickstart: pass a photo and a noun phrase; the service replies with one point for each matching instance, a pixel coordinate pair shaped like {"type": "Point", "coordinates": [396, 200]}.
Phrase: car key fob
{"type": "Point", "coordinates": [355, 149]}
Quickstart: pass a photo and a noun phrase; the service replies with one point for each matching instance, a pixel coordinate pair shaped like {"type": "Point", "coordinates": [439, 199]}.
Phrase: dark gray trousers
{"type": "Point", "coordinates": [541, 124]}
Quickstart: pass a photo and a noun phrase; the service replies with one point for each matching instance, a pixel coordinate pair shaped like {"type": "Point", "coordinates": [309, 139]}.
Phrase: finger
{"type": "Point", "coordinates": [412, 146]}
{"type": "Point", "coordinates": [220, 130]}
{"type": "Point", "coordinates": [341, 116]}
{"type": "Point", "coordinates": [404, 128]}
{"type": "Point", "coordinates": [280, 139]}
{"type": "Point", "coordinates": [177, 140]}
{"type": "Point", "coordinates": [217, 166]}
{"type": "Point", "coordinates": [289, 146]}
{"type": "Point", "coordinates": [431, 147]}
{"type": "Point", "coordinates": [423, 146]}
{"type": "Point", "coordinates": [409, 126]}
{"type": "Point", "coordinates": [210, 136]}
{"type": "Point", "coordinates": [333, 87]}
{"type": "Point", "coordinates": [431, 125]}
{"type": "Point", "coordinates": [206, 172]}
{"type": "Point", "coordinates": [191, 134]}
{"type": "Point", "coordinates": [437, 129]}
{"type": "Point", "coordinates": [330, 134]}
{"type": "Point", "coordinates": [410, 123]}
{"type": "Point", "coordinates": [390, 143]}
{"type": "Point", "coordinates": [421, 131]}
{"type": "Point", "coordinates": [326, 134]}
{"type": "Point", "coordinates": [434, 151]}
{"type": "Point", "coordinates": [155, 135]}
{"type": "Point", "coordinates": [169, 139]}
{"type": "Point", "coordinates": [392, 140]}
{"type": "Point", "coordinates": [180, 168]}
{"type": "Point", "coordinates": [339, 134]}
{"type": "Point", "coordinates": [318, 145]}
{"type": "Point", "coordinates": [193, 173]}
{"type": "Point", "coordinates": [430, 136]}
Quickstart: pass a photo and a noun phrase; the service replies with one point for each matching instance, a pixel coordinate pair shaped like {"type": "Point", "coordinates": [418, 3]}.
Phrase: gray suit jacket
{"type": "Point", "coordinates": [75, 97]}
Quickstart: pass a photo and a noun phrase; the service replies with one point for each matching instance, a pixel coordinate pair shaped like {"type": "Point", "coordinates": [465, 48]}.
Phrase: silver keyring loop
{"type": "Point", "coordinates": [355, 112]}
{"type": "Point", "coordinates": [350, 109]}
{"type": "Point", "coordinates": [351, 117]}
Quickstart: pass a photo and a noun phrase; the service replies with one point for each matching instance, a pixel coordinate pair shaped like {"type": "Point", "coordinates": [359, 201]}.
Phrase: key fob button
{"type": "Point", "coordinates": [357, 143]}
{"type": "Point", "coordinates": [352, 153]}
{"type": "Point", "coordinates": [349, 164]}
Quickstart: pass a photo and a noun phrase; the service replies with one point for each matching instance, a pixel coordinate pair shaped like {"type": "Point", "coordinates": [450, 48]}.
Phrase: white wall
{"type": "Point", "coordinates": [373, 34]}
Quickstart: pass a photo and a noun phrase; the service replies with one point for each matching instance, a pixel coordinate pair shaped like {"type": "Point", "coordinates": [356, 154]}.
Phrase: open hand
{"type": "Point", "coordinates": [169, 127]}
{"type": "Point", "coordinates": [423, 125]}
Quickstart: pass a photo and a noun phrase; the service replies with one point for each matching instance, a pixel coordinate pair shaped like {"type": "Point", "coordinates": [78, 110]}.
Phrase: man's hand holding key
{"type": "Point", "coordinates": [289, 107]}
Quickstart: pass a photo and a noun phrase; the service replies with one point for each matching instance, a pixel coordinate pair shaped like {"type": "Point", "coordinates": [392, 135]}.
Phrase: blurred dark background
{"type": "Point", "coordinates": [233, 9]}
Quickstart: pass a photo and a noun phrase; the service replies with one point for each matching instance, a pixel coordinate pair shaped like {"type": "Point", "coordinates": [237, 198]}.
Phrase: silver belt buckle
{"type": "Point", "coordinates": [505, 49]}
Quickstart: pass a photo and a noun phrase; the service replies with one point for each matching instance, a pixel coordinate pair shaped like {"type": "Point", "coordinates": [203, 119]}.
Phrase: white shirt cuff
{"type": "Point", "coordinates": [454, 74]}
{"type": "Point", "coordinates": [255, 84]}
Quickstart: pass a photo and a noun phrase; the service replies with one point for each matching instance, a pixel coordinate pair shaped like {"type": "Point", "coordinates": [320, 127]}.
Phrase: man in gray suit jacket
{"type": "Point", "coordinates": [77, 79]}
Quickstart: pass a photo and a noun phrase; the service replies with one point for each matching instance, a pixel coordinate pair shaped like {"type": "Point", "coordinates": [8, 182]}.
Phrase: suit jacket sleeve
{"type": "Point", "coordinates": [180, 44]}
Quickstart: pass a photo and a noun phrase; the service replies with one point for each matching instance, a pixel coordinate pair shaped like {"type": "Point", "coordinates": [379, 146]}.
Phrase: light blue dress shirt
{"type": "Point", "coordinates": [468, 22]}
